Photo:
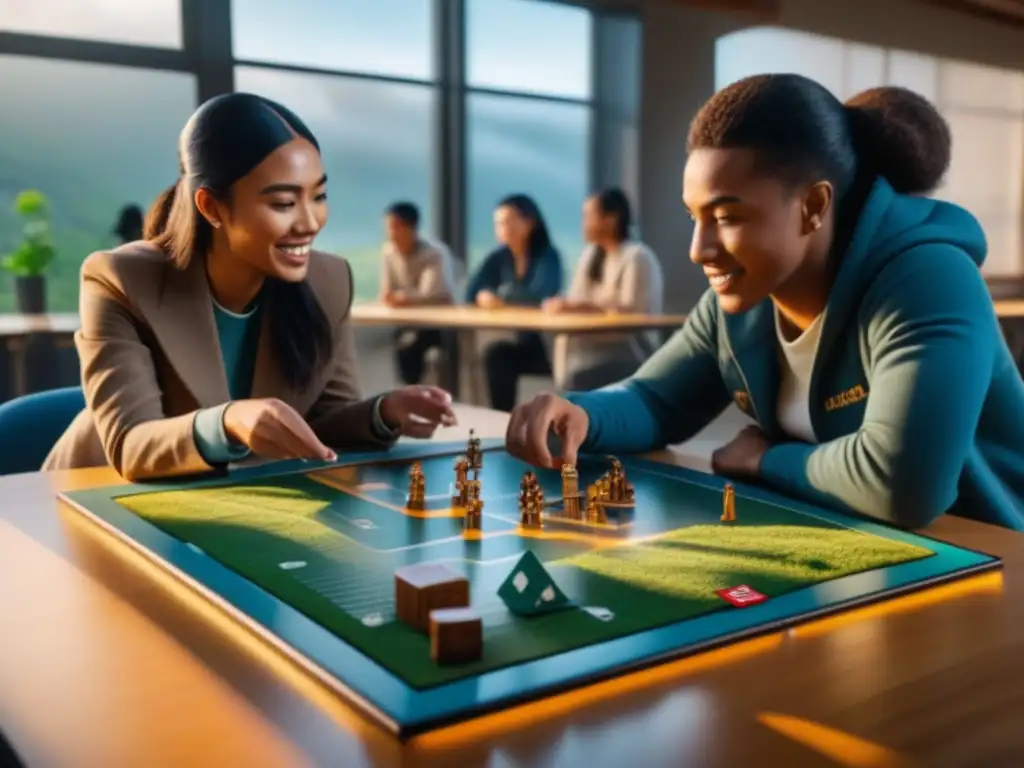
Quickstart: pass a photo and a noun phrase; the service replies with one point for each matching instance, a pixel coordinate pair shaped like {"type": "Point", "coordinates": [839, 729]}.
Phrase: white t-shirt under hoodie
{"type": "Point", "coordinates": [796, 362]}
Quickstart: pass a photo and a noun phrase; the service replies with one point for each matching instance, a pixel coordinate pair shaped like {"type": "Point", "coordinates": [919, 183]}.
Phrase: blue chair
{"type": "Point", "coordinates": [31, 425]}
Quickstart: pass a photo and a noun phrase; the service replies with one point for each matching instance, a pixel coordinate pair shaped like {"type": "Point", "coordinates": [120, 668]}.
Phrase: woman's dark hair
{"type": "Point", "coordinates": [524, 205]}
{"type": "Point", "coordinates": [612, 202]}
{"type": "Point", "coordinates": [129, 223]}
{"type": "Point", "coordinates": [801, 132]}
{"type": "Point", "coordinates": [223, 141]}
{"type": "Point", "coordinates": [405, 212]}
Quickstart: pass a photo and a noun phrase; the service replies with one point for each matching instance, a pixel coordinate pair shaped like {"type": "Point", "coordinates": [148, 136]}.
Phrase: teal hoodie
{"type": "Point", "coordinates": [915, 400]}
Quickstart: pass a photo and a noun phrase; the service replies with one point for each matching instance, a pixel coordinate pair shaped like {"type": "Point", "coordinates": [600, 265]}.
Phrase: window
{"type": "Point", "coordinates": [529, 130]}
{"type": "Point", "coordinates": [135, 22]}
{"type": "Point", "coordinates": [529, 46]}
{"type": "Point", "coordinates": [983, 106]}
{"type": "Point", "coordinates": [540, 148]}
{"type": "Point", "coordinates": [92, 138]}
{"type": "Point", "coordinates": [985, 110]}
{"type": "Point", "coordinates": [745, 53]}
{"type": "Point", "coordinates": [378, 147]}
{"type": "Point", "coordinates": [380, 37]}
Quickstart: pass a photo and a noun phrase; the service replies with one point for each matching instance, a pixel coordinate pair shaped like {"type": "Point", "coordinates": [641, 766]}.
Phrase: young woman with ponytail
{"type": "Point", "coordinates": [846, 315]}
{"type": "Point", "coordinates": [616, 273]}
{"type": "Point", "coordinates": [225, 333]}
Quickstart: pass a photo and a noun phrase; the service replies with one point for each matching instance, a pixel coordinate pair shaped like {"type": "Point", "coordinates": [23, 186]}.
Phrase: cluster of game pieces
{"type": "Point", "coordinates": [610, 490]}
{"type": "Point", "coordinates": [466, 494]}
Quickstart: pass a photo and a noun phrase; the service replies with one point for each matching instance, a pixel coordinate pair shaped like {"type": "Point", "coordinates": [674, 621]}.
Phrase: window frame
{"type": "Point", "coordinates": [206, 53]}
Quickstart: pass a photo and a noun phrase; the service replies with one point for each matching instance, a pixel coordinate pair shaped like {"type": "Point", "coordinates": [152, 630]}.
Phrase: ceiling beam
{"type": "Point", "coordinates": [1006, 11]}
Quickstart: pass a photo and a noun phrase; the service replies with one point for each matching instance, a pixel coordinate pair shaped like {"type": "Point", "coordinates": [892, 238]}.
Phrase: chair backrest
{"type": "Point", "coordinates": [31, 425]}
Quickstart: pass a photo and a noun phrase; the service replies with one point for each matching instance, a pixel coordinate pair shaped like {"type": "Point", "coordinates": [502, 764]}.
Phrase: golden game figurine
{"type": "Point", "coordinates": [417, 487]}
{"type": "Point", "coordinates": [461, 496]}
{"type": "Point", "coordinates": [473, 452]}
{"type": "Point", "coordinates": [728, 504]}
{"type": "Point", "coordinates": [474, 507]}
{"type": "Point", "coordinates": [571, 492]}
{"type": "Point", "coordinates": [531, 501]}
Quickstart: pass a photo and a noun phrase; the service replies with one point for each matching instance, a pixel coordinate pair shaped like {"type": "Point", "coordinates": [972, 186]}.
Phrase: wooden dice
{"type": "Point", "coordinates": [456, 635]}
{"type": "Point", "coordinates": [425, 587]}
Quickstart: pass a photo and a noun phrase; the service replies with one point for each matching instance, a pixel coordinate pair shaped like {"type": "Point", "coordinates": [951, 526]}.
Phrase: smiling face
{"type": "Point", "coordinates": [274, 212]}
{"type": "Point", "coordinates": [752, 233]}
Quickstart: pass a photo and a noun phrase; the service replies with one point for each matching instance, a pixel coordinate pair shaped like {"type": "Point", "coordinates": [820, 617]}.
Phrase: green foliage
{"type": "Point", "coordinates": [34, 254]}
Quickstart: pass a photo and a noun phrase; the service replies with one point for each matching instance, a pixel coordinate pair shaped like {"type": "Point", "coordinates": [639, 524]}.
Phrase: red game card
{"type": "Point", "coordinates": [741, 596]}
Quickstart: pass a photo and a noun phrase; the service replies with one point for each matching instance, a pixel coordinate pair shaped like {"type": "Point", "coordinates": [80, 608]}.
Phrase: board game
{"type": "Point", "coordinates": [433, 583]}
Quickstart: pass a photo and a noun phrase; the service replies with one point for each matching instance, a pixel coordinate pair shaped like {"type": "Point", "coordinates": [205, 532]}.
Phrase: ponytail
{"type": "Point", "coordinates": [898, 134]}
{"type": "Point", "coordinates": [185, 233]}
{"type": "Point", "coordinates": [155, 223]}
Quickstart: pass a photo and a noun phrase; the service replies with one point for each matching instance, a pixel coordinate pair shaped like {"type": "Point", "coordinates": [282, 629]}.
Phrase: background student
{"type": "Point", "coordinates": [616, 273]}
{"type": "Point", "coordinates": [523, 270]}
{"type": "Point", "coordinates": [416, 272]}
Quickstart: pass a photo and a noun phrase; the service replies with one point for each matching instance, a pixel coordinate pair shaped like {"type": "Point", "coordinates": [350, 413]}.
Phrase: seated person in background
{"type": "Point", "coordinates": [524, 270]}
{"type": "Point", "coordinates": [129, 224]}
{"type": "Point", "coordinates": [227, 335]}
{"type": "Point", "coordinates": [415, 273]}
{"type": "Point", "coordinates": [614, 274]}
{"type": "Point", "coordinates": [847, 314]}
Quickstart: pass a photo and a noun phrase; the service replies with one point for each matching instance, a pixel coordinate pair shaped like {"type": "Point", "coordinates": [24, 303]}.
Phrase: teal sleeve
{"type": "Point", "coordinates": [676, 393]}
{"type": "Point", "coordinates": [212, 441]}
{"type": "Point", "coordinates": [932, 337]}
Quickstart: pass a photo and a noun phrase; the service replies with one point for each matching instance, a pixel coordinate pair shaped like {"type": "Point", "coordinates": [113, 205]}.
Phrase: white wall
{"type": "Point", "coordinates": [983, 105]}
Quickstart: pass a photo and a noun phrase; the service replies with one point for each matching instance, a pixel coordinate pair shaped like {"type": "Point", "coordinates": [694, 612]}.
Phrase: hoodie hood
{"type": "Point", "coordinates": [889, 225]}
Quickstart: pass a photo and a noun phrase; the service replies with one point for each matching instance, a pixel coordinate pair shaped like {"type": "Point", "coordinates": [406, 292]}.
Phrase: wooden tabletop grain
{"type": "Point", "coordinates": [107, 661]}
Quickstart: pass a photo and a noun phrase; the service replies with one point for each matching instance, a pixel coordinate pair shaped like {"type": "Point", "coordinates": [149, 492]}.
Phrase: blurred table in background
{"type": "Point", "coordinates": [464, 322]}
{"type": "Point", "coordinates": [21, 335]}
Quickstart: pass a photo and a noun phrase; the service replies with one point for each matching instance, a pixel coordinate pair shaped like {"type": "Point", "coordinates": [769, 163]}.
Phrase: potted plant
{"type": "Point", "coordinates": [29, 261]}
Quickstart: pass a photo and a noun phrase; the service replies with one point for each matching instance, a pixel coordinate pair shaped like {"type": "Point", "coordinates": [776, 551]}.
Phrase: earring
{"type": "Point", "coordinates": [216, 224]}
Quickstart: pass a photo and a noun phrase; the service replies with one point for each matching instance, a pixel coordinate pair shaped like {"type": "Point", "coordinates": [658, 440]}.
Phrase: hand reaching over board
{"type": "Point", "coordinates": [532, 426]}
{"type": "Point", "coordinates": [274, 430]}
{"type": "Point", "coordinates": [418, 410]}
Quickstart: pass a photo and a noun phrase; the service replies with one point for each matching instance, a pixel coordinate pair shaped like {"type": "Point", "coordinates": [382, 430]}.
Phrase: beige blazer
{"type": "Point", "coordinates": [150, 358]}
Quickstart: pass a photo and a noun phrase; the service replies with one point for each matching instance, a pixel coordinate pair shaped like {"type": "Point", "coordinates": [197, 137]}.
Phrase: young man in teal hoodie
{"type": "Point", "coordinates": [846, 315]}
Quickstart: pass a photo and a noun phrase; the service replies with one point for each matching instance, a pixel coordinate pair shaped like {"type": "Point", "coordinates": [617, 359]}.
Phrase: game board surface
{"type": "Point", "coordinates": [326, 543]}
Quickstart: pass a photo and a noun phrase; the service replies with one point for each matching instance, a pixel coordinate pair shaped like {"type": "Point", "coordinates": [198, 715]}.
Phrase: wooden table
{"type": "Point", "coordinates": [107, 661]}
{"type": "Point", "coordinates": [462, 317]}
